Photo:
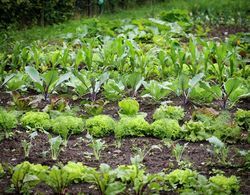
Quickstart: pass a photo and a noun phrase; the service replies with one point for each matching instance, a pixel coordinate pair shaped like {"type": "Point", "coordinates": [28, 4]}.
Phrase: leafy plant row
{"type": "Point", "coordinates": [132, 179]}
{"type": "Point", "coordinates": [204, 123]}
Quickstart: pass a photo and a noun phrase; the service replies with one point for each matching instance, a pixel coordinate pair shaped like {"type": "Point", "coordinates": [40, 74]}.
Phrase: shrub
{"type": "Point", "coordinates": [36, 120]}
{"type": "Point", "coordinates": [224, 185]}
{"type": "Point", "coordinates": [128, 107]}
{"type": "Point", "coordinates": [175, 15]}
{"type": "Point", "coordinates": [172, 112]}
{"type": "Point", "coordinates": [128, 126]}
{"type": "Point", "coordinates": [100, 125]}
{"type": "Point", "coordinates": [65, 125]}
{"type": "Point", "coordinates": [166, 128]}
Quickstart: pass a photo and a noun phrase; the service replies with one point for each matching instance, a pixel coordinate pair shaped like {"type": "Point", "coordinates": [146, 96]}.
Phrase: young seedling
{"type": "Point", "coordinates": [27, 145]}
{"type": "Point", "coordinates": [220, 150]}
{"type": "Point", "coordinates": [178, 151]}
{"type": "Point", "coordinates": [55, 146]}
{"type": "Point", "coordinates": [97, 146]}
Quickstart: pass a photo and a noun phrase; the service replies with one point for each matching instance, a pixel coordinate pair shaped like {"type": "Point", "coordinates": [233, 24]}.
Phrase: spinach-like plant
{"type": "Point", "coordinates": [156, 90]}
{"type": "Point", "coordinates": [183, 86]}
{"type": "Point", "coordinates": [59, 178]}
{"type": "Point", "coordinates": [105, 180]}
{"type": "Point", "coordinates": [113, 90]}
{"type": "Point", "coordinates": [46, 82]}
{"type": "Point", "coordinates": [92, 84]}
{"type": "Point", "coordinates": [243, 118]}
{"type": "Point", "coordinates": [231, 90]}
{"type": "Point", "coordinates": [55, 146]}
{"type": "Point", "coordinates": [26, 176]}
{"type": "Point", "coordinates": [133, 82]}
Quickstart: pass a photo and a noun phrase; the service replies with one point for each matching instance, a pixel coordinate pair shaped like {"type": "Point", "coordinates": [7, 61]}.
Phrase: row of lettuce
{"type": "Point", "coordinates": [131, 179]}
{"type": "Point", "coordinates": [205, 122]}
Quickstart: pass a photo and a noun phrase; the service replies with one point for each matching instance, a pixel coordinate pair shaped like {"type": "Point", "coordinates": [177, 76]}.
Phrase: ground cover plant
{"type": "Point", "coordinates": [149, 101]}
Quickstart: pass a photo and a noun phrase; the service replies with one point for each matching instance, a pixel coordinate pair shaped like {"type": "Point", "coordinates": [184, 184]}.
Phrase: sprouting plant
{"type": "Point", "coordinates": [219, 149]}
{"type": "Point", "coordinates": [55, 146]}
{"type": "Point", "coordinates": [140, 153]}
{"type": "Point", "coordinates": [46, 82]}
{"type": "Point", "coordinates": [178, 151]}
{"type": "Point", "coordinates": [97, 146]}
{"type": "Point", "coordinates": [27, 145]}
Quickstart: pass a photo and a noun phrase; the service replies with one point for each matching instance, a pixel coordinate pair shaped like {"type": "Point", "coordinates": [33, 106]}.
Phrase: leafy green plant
{"type": "Point", "coordinates": [128, 107]}
{"type": "Point", "coordinates": [224, 185]}
{"type": "Point", "coordinates": [46, 82]}
{"type": "Point", "coordinates": [175, 15]}
{"type": "Point", "coordinates": [97, 146]}
{"type": "Point", "coordinates": [195, 131]}
{"type": "Point", "coordinates": [2, 171]}
{"type": "Point", "coordinates": [219, 149]}
{"type": "Point", "coordinates": [66, 125]}
{"type": "Point", "coordinates": [7, 123]}
{"type": "Point", "coordinates": [128, 126]}
{"type": "Point", "coordinates": [156, 90]}
{"type": "Point", "coordinates": [27, 145]}
{"type": "Point", "coordinates": [230, 91]}
{"type": "Point", "coordinates": [182, 179]}
{"type": "Point", "coordinates": [59, 178]}
{"type": "Point", "coordinates": [91, 82]}
{"type": "Point", "coordinates": [36, 120]}
{"type": "Point", "coordinates": [26, 176]}
{"type": "Point", "coordinates": [55, 146]}
{"type": "Point", "coordinates": [178, 151]}
{"type": "Point", "coordinates": [105, 180]}
{"type": "Point", "coordinates": [184, 85]}
{"type": "Point", "coordinates": [243, 118]}
{"type": "Point", "coordinates": [100, 125]}
{"type": "Point", "coordinates": [171, 112]}
{"type": "Point", "coordinates": [113, 90]}
{"type": "Point", "coordinates": [220, 125]}
{"type": "Point", "coordinates": [166, 128]}
{"type": "Point", "coordinates": [133, 82]}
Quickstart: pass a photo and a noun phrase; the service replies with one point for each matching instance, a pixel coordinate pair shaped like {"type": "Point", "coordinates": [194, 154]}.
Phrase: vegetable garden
{"type": "Point", "coordinates": [157, 104]}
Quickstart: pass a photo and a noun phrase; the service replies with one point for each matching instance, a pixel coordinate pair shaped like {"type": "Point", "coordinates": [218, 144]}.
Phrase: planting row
{"type": "Point", "coordinates": [204, 123]}
{"type": "Point", "coordinates": [115, 86]}
{"type": "Point", "coordinates": [130, 179]}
